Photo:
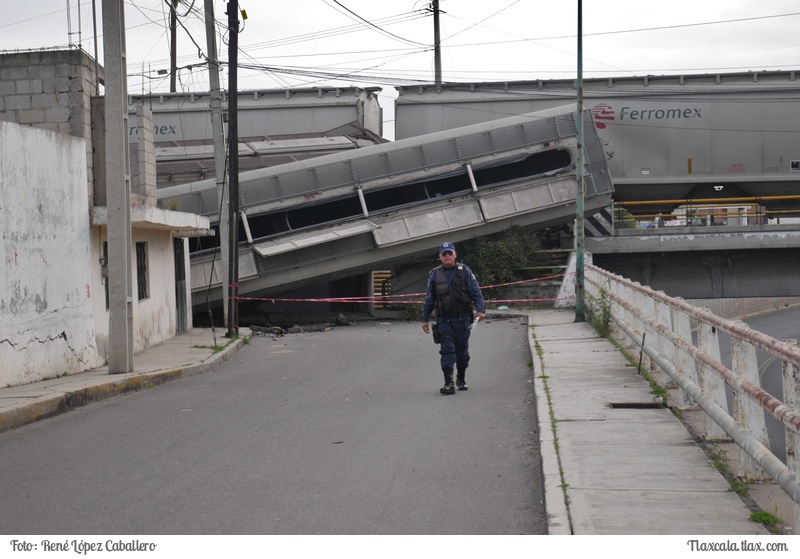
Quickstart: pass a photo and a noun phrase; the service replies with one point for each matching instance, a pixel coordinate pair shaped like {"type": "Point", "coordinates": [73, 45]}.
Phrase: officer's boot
{"type": "Point", "coordinates": [461, 381]}
{"type": "Point", "coordinates": [448, 387]}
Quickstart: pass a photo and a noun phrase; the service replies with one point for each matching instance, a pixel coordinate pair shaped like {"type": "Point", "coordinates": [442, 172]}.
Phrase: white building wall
{"type": "Point", "coordinates": [46, 289]}
{"type": "Point", "coordinates": [154, 319]}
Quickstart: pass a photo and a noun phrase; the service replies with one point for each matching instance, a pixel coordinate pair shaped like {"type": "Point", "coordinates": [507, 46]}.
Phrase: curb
{"type": "Point", "coordinates": [49, 406]}
{"type": "Point", "coordinates": [556, 509]}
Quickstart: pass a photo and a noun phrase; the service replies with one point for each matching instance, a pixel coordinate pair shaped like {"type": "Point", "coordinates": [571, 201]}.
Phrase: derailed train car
{"type": "Point", "coordinates": [345, 213]}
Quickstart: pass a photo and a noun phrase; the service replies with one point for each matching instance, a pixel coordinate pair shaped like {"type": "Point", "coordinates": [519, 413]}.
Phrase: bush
{"type": "Point", "coordinates": [496, 258]}
{"type": "Point", "coordinates": [598, 313]}
{"type": "Point", "coordinates": [624, 219]}
{"type": "Point", "coordinates": [412, 313]}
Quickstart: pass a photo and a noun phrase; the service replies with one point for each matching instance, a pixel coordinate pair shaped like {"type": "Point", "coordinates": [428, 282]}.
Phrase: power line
{"type": "Point", "coordinates": [336, 31]}
{"type": "Point", "coordinates": [369, 23]}
{"type": "Point", "coordinates": [481, 21]}
{"type": "Point", "coordinates": [620, 31]}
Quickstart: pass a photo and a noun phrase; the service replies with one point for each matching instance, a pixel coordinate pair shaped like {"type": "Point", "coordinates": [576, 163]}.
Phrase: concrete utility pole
{"type": "Point", "coordinates": [580, 242]}
{"type": "Point", "coordinates": [233, 166]}
{"type": "Point", "coordinates": [173, 46]}
{"type": "Point", "coordinates": [118, 190]}
{"type": "Point", "coordinates": [219, 149]}
{"type": "Point", "coordinates": [437, 47]}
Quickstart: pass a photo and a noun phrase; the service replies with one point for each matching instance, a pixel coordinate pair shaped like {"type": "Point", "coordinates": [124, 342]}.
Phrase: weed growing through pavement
{"type": "Point", "coordinates": [719, 458]}
{"type": "Point", "coordinates": [553, 422]}
{"type": "Point", "coordinates": [766, 518]}
{"type": "Point", "coordinates": [214, 348]}
{"type": "Point", "coordinates": [598, 313]}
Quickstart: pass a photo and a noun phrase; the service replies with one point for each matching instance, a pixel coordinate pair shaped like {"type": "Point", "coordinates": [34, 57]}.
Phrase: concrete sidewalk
{"type": "Point", "coordinates": [186, 354]}
{"type": "Point", "coordinates": [613, 465]}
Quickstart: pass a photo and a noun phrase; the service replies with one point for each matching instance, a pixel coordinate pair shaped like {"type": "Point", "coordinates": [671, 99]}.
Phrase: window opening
{"type": "Point", "coordinates": [141, 270]}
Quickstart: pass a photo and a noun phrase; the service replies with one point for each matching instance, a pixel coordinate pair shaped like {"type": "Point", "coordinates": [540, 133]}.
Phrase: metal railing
{"type": "Point", "coordinates": [682, 347]}
{"type": "Point", "coordinates": [750, 210]}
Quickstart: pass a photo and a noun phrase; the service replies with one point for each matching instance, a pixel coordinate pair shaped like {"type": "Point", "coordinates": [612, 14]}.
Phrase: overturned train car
{"type": "Point", "coordinates": [348, 213]}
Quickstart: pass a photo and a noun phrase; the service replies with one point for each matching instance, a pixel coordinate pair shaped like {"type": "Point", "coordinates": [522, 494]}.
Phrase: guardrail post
{"type": "Point", "coordinates": [591, 286]}
{"type": "Point", "coordinates": [791, 398]}
{"type": "Point", "coordinates": [666, 347]}
{"type": "Point", "coordinates": [634, 297]}
{"type": "Point", "coordinates": [647, 306]}
{"type": "Point", "coordinates": [711, 386]}
{"type": "Point", "coordinates": [623, 316]}
{"type": "Point", "coordinates": [682, 326]}
{"type": "Point", "coordinates": [747, 413]}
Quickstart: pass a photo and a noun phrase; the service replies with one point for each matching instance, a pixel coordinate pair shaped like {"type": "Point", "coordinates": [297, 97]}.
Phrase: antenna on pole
{"type": "Point", "coordinates": [69, 25]}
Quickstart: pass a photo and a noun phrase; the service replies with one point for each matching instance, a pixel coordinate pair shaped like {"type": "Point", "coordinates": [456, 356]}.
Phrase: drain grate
{"type": "Point", "coordinates": [635, 405]}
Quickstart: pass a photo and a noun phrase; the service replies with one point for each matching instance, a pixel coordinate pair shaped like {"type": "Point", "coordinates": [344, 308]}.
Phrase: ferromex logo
{"type": "Point", "coordinates": [604, 113]}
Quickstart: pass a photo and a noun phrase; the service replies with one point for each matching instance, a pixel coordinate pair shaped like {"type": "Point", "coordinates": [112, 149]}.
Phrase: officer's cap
{"type": "Point", "coordinates": [447, 246]}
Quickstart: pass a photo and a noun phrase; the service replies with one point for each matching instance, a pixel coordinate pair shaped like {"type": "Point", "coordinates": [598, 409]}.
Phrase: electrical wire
{"type": "Point", "coordinates": [335, 32]}
{"type": "Point", "coordinates": [481, 21]}
{"type": "Point", "coordinates": [370, 24]}
{"type": "Point", "coordinates": [283, 75]}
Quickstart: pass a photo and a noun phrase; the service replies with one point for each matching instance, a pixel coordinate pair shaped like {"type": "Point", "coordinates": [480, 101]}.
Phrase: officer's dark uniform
{"type": "Point", "coordinates": [451, 293]}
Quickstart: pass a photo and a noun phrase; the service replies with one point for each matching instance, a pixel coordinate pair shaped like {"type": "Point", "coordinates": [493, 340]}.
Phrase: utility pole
{"type": "Point", "coordinates": [233, 166]}
{"type": "Point", "coordinates": [219, 149]}
{"type": "Point", "coordinates": [118, 190]}
{"type": "Point", "coordinates": [580, 242]}
{"type": "Point", "coordinates": [173, 46]}
{"type": "Point", "coordinates": [437, 47]}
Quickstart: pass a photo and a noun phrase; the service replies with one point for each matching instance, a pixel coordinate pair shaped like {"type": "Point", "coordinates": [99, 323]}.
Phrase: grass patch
{"type": "Point", "coordinates": [217, 348]}
{"type": "Point", "coordinates": [739, 487]}
{"type": "Point", "coordinates": [766, 518]}
{"type": "Point", "coordinates": [719, 458]}
{"type": "Point", "coordinates": [214, 348]}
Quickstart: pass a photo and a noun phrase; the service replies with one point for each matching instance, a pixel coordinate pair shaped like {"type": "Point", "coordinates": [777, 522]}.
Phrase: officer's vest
{"type": "Point", "coordinates": [452, 300]}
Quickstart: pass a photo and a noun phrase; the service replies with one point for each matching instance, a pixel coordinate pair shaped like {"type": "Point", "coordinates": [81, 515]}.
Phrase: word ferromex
{"type": "Point", "coordinates": [82, 546]}
{"type": "Point", "coordinates": [744, 545]}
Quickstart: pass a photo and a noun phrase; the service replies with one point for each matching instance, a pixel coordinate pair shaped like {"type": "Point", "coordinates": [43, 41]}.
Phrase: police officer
{"type": "Point", "coordinates": [452, 290]}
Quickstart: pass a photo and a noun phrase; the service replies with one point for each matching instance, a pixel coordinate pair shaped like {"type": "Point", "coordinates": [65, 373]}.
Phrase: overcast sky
{"type": "Point", "coordinates": [304, 43]}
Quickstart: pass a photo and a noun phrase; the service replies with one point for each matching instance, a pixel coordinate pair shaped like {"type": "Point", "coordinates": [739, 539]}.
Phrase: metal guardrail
{"type": "Point", "coordinates": [705, 211]}
{"type": "Point", "coordinates": [682, 345]}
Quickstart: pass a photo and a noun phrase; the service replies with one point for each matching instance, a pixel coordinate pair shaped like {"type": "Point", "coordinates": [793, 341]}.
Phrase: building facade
{"type": "Point", "coordinates": [54, 293]}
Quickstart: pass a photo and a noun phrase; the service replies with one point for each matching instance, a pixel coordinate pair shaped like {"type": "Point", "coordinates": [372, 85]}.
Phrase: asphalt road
{"type": "Point", "coordinates": [780, 325]}
{"type": "Point", "coordinates": [337, 432]}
